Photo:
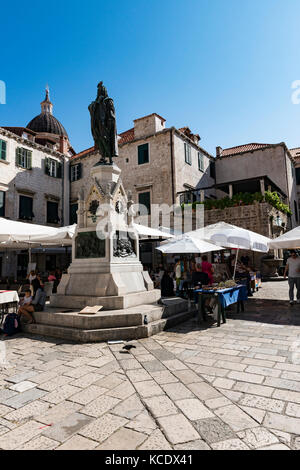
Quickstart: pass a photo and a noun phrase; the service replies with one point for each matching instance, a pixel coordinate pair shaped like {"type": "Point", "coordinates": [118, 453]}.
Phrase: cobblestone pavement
{"type": "Point", "coordinates": [192, 387]}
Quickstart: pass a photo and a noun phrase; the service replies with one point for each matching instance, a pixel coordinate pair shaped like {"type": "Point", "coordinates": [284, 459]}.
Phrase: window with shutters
{"type": "Point", "coordinates": [2, 149]}
{"type": "Point", "coordinates": [53, 168]}
{"type": "Point", "coordinates": [73, 214]}
{"type": "Point", "coordinates": [2, 204]}
{"type": "Point", "coordinates": [24, 158]}
{"type": "Point", "coordinates": [145, 200]}
{"type": "Point", "coordinates": [25, 208]}
{"type": "Point", "coordinates": [75, 172]}
{"type": "Point", "coordinates": [200, 161]}
{"type": "Point", "coordinates": [52, 212]}
{"type": "Point", "coordinates": [188, 153]}
{"type": "Point", "coordinates": [143, 154]}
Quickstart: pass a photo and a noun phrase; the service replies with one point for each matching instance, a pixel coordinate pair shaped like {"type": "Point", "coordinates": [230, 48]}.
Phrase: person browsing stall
{"type": "Point", "coordinates": [292, 269]}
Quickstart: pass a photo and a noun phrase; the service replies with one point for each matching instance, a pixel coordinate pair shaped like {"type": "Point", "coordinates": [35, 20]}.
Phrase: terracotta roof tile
{"type": "Point", "coordinates": [295, 153]}
{"type": "Point", "coordinates": [242, 148]}
{"type": "Point", "coordinates": [127, 136]}
{"type": "Point", "coordinates": [18, 130]}
{"type": "Point", "coordinates": [84, 152]}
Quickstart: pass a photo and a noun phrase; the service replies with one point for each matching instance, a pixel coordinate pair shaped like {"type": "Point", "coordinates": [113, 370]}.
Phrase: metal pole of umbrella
{"type": "Point", "coordinates": [236, 258]}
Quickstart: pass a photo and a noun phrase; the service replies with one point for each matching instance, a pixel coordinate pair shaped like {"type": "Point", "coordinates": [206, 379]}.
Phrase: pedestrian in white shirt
{"type": "Point", "coordinates": [293, 270]}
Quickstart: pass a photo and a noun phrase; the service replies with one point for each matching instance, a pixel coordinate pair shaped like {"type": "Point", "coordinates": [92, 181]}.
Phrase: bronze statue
{"type": "Point", "coordinates": [103, 125]}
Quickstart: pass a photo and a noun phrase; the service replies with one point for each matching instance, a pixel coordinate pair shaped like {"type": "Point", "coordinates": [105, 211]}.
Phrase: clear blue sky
{"type": "Point", "coordinates": [222, 67]}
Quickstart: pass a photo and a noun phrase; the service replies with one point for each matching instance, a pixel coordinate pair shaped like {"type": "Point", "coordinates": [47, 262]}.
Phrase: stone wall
{"type": "Point", "coordinates": [255, 217]}
{"type": "Point", "coordinates": [273, 162]}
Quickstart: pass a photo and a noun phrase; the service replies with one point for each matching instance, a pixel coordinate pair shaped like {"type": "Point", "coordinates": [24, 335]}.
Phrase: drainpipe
{"type": "Point", "coordinates": [172, 164]}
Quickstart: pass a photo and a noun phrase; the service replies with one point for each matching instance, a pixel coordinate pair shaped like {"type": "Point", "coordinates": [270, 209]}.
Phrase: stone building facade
{"type": "Point", "coordinates": [34, 183]}
{"type": "Point", "coordinates": [259, 167]}
{"type": "Point", "coordinates": [295, 152]}
{"type": "Point", "coordinates": [159, 165]}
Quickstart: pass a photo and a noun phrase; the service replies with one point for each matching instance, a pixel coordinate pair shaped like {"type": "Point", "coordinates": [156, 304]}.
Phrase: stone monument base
{"type": "Point", "coordinates": [126, 324]}
{"type": "Point", "coordinates": [108, 302]}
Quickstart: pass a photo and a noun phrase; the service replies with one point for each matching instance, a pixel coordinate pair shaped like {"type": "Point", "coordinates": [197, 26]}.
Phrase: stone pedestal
{"type": "Point", "coordinates": [105, 268]}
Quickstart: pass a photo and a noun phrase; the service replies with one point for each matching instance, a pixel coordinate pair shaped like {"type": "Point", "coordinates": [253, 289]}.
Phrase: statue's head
{"type": "Point", "coordinates": [102, 91]}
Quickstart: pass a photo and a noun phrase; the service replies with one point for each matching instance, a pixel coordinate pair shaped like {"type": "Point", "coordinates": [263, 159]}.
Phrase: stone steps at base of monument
{"type": "Point", "coordinates": [133, 316]}
{"type": "Point", "coordinates": [108, 334]}
{"type": "Point", "coordinates": [108, 302]}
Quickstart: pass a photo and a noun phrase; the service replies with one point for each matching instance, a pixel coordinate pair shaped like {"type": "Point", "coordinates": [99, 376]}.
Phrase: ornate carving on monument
{"type": "Point", "coordinates": [88, 245]}
{"type": "Point", "coordinates": [119, 207]}
{"type": "Point", "coordinates": [124, 245]}
{"type": "Point", "coordinates": [92, 205]}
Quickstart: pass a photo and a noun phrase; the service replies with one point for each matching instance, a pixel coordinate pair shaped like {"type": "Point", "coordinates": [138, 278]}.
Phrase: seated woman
{"type": "Point", "coordinates": [26, 308]}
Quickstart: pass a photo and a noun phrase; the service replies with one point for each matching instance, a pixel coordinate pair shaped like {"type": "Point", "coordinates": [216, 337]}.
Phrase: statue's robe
{"type": "Point", "coordinates": [104, 129]}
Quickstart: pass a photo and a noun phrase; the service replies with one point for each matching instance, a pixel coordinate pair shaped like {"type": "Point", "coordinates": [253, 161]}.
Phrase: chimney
{"type": "Point", "coordinates": [219, 151]}
{"type": "Point", "coordinates": [63, 144]}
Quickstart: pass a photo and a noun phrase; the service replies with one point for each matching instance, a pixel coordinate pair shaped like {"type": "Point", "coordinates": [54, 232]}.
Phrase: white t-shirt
{"type": "Point", "coordinates": [294, 267]}
{"type": "Point", "coordinates": [178, 271]}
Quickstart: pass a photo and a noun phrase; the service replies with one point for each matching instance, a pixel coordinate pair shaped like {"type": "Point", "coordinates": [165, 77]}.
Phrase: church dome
{"type": "Point", "coordinates": [46, 122]}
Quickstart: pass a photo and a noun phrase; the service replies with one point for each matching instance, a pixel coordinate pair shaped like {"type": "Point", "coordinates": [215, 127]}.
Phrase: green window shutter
{"type": "Point", "coordinates": [58, 170]}
{"type": "Point", "coordinates": [25, 208]}
{"type": "Point", "coordinates": [144, 199]}
{"type": "Point", "coordinates": [18, 156]}
{"type": "Point", "coordinates": [29, 160]}
{"type": "Point", "coordinates": [52, 212]}
{"type": "Point", "coordinates": [73, 214]}
{"type": "Point", "coordinates": [2, 150]}
{"type": "Point", "coordinates": [79, 171]}
{"type": "Point", "coordinates": [143, 154]}
{"type": "Point", "coordinates": [187, 153]}
{"type": "Point", "coordinates": [47, 166]}
{"type": "Point", "coordinates": [200, 161]}
{"type": "Point", "coordinates": [2, 204]}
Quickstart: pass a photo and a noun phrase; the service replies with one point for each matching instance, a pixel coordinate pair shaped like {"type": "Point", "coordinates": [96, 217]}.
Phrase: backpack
{"type": "Point", "coordinates": [11, 324]}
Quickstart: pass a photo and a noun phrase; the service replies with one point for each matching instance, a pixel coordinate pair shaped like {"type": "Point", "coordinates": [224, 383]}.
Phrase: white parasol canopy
{"type": "Point", "coordinates": [188, 244]}
{"type": "Point", "coordinates": [63, 236]}
{"type": "Point", "coordinates": [290, 239]}
{"type": "Point", "coordinates": [10, 230]}
{"type": "Point", "coordinates": [231, 236]}
{"type": "Point", "coordinates": [144, 231]}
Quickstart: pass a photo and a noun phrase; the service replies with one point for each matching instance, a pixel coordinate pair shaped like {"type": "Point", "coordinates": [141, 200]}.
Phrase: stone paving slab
{"type": "Point", "coordinates": [22, 399]}
{"type": "Point", "coordinates": [67, 428]}
{"type": "Point", "coordinates": [229, 388]}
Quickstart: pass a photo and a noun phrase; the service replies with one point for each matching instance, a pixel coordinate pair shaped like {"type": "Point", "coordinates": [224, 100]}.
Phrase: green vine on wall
{"type": "Point", "coordinates": [244, 199]}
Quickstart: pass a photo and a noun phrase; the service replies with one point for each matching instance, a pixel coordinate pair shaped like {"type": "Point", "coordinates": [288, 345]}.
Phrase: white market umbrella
{"type": "Point", "coordinates": [187, 244]}
{"type": "Point", "coordinates": [63, 236]}
{"type": "Point", "coordinates": [144, 231]}
{"type": "Point", "coordinates": [231, 236]}
{"type": "Point", "coordinates": [11, 230]}
{"type": "Point", "coordinates": [289, 239]}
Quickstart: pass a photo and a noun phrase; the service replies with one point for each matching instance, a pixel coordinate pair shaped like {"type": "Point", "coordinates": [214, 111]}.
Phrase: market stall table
{"type": "Point", "coordinates": [8, 299]}
{"type": "Point", "coordinates": [225, 297]}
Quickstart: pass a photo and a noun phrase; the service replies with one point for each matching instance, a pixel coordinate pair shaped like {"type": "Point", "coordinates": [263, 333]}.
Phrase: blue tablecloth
{"type": "Point", "coordinates": [227, 296]}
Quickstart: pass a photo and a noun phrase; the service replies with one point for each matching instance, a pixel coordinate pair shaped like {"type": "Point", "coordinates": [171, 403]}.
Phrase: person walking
{"type": "Point", "coordinates": [293, 270]}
